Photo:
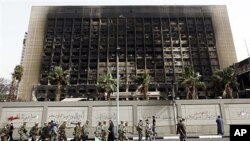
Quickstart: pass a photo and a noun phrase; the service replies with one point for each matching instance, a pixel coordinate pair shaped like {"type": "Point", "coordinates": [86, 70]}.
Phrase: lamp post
{"type": "Point", "coordinates": [174, 105]}
{"type": "Point", "coordinates": [117, 85]}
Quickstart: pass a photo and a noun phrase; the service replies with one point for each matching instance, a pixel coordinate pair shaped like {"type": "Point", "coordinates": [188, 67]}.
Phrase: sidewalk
{"type": "Point", "coordinates": [175, 136]}
{"type": "Point", "coordinates": [169, 136]}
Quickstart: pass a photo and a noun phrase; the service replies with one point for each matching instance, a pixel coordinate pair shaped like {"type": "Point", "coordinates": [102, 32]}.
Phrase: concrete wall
{"type": "Point", "coordinates": [200, 115]}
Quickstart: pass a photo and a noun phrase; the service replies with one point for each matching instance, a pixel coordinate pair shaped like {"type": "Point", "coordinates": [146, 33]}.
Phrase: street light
{"type": "Point", "coordinates": [174, 103]}
{"type": "Point", "coordinates": [117, 84]}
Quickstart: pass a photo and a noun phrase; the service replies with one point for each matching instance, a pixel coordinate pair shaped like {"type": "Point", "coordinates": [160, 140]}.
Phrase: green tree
{"type": "Point", "coordinates": [225, 80]}
{"type": "Point", "coordinates": [192, 82]}
{"type": "Point", "coordinates": [107, 84]}
{"type": "Point", "coordinates": [60, 77]}
{"type": "Point", "coordinates": [143, 82]}
{"type": "Point", "coordinates": [16, 78]}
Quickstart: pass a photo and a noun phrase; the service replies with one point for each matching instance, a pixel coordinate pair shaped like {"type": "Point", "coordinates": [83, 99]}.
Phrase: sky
{"type": "Point", "coordinates": [14, 21]}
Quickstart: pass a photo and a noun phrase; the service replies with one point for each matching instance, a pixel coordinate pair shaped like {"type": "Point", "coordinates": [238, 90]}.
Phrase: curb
{"type": "Point", "coordinates": [168, 137]}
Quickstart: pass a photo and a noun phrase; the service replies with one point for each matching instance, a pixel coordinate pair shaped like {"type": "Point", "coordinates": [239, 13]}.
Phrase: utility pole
{"type": "Point", "coordinates": [117, 86]}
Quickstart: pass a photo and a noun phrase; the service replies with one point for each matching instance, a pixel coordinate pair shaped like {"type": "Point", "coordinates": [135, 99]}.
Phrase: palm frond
{"type": "Point", "coordinates": [107, 83]}
{"type": "Point", "coordinates": [59, 75]}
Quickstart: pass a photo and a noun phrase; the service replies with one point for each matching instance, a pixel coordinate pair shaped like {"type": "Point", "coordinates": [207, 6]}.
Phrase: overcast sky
{"type": "Point", "coordinates": [14, 19]}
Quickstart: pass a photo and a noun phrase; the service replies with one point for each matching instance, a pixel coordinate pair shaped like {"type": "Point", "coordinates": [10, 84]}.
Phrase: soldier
{"type": "Point", "coordinates": [11, 129]}
{"type": "Point", "coordinates": [139, 129]}
{"type": "Point", "coordinates": [104, 131]}
{"type": "Point", "coordinates": [148, 130]}
{"type": "Point", "coordinates": [4, 133]}
{"type": "Point", "coordinates": [181, 129]}
{"type": "Point", "coordinates": [153, 128]}
{"type": "Point", "coordinates": [45, 132]}
{"type": "Point", "coordinates": [54, 132]}
{"type": "Point", "coordinates": [120, 130]}
{"type": "Point", "coordinates": [77, 132]}
{"type": "Point", "coordinates": [34, 132]}
{"type": "Point", "coordinates": [62, 132]}
{"type": "Point", "coordinates": [124, 132]}
{"type": "Point", "coordinates": [85, 131]}
{"type": "Point", "coordinates": [22, 131]}
{"type": "Point", "coordinates": [98, 132]}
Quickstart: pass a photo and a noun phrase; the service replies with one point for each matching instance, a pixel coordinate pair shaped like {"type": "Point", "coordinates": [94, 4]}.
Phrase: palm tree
{"type": "Point", "coordinates": [226, 80]}
{"type": "Point", "coordinates": [107, 84]}
{"type": "Point", "coordinates": [16, 78]}
{"type": "Point", "coordinates": [143, 82]}
{"type": "Point", "coordinates": [60, 77]}
{"type": "Point", "coordinates": [192, 82]}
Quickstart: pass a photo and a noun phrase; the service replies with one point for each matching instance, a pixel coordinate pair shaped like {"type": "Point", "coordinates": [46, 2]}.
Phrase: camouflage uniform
{"type": "Point", "coordinates": [139, 129]}
{"type": "Point", "coordinates": [22, 131]}
{"type": "Point", "coordinates": [77, 132]}
{"type": "Point", "coordinates": [124, 132]}
{"type": "Point", "coordinates": [44, 132]}
{"type": "Point", "coordinates": [62, 132]}
{"type": "Point", "coordinates": [98, 132]}
{"type": "Point", "coordinates": [148, 131]}
{"type": "Point", "coordinates": [53, 133]}
{"type": "Point", "coordinates": [104, 131]}
{"type": "Point", "coordinates": [34, 132]}
{"type": "Point", "coordinates": [85, 131]}
{"type": "Point", "coordinates": [4, 133]}
{"type": "Point", "coordinates": [120, 131]}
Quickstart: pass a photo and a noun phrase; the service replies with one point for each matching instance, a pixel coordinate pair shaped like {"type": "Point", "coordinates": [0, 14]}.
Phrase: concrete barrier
{"type": "Point", "coordinates": [200, 115]}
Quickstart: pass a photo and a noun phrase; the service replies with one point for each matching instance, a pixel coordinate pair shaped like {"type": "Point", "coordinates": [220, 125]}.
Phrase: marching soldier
{"type": "Point", "coordinates": [85, 131]}
{"type": "Point", "coordinates": [4, 133]}
{"type": "Point", "coordinates": [120, 130]}
{"type": "Point", "coordinates": [148, 130]}
{"type": "Point", "coordinates": [139, 129]}
{"type": "Point", "coordinates": [104, 131]}
{"type": "Point", "coordinates": [34, 132]}
{"type": "Point", "coordinates": [22, 131]}
{"type": "Point", "coordinates": [62, 132]}
{"type": "Point", "coordinates": [124, 132]}
{"type": "Point", "coordinates": [153, 128]}
{"type": "Point", "coordinates": [11, 129]}
{"type": "Point", "coordinates": [44, 132]}
{"type": "Point", "coordinates": [98, 132]}
{"type": "Point", "coordinates": [77, 132]}
{"type": "Point", "coordinates": [181, 129]}
{"type": "Point", "coordinates": [54, 133]}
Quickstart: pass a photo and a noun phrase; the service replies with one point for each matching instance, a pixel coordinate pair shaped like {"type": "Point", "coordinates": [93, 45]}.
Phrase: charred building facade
{"type": "Point", "coordinates": [242, 69]}
{"type": "Point", "coordinates": [158, 40]}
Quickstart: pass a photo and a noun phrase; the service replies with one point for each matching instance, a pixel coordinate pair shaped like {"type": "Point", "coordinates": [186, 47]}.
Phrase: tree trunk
{"type": "Point", "coordinates": [188, 93]}
{"type": "Point", "coordinates": [215, 92]}
{"type": "Point", "coordinates": [108, 96]}
{"type": "Point", "coordinates": [58, 91]}
{"type": "Point", "coordinates": [16, 93]}
{"type": "Point", "coordinates": [193, 92]}
{"type": "Point", "coordinates": [12, 90]}
{"type": "Point", "coordinates": [145, 91]}
{"type": "Point", "coordinates": [196, 93]}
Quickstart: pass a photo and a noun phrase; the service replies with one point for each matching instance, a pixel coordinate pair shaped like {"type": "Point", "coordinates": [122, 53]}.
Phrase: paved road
{"type": "Point", "coordinates": [197, 139]}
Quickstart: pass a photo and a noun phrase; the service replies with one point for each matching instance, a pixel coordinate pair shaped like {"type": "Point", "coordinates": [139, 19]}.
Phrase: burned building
{"type": "Point", "coordinates": [242, 70]}
{"type": "Point", "coordinates": [157, 40]}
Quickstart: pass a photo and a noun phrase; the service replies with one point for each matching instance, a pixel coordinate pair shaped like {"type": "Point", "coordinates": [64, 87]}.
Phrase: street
{"type": "Point", "coordinates": [197, 139]}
